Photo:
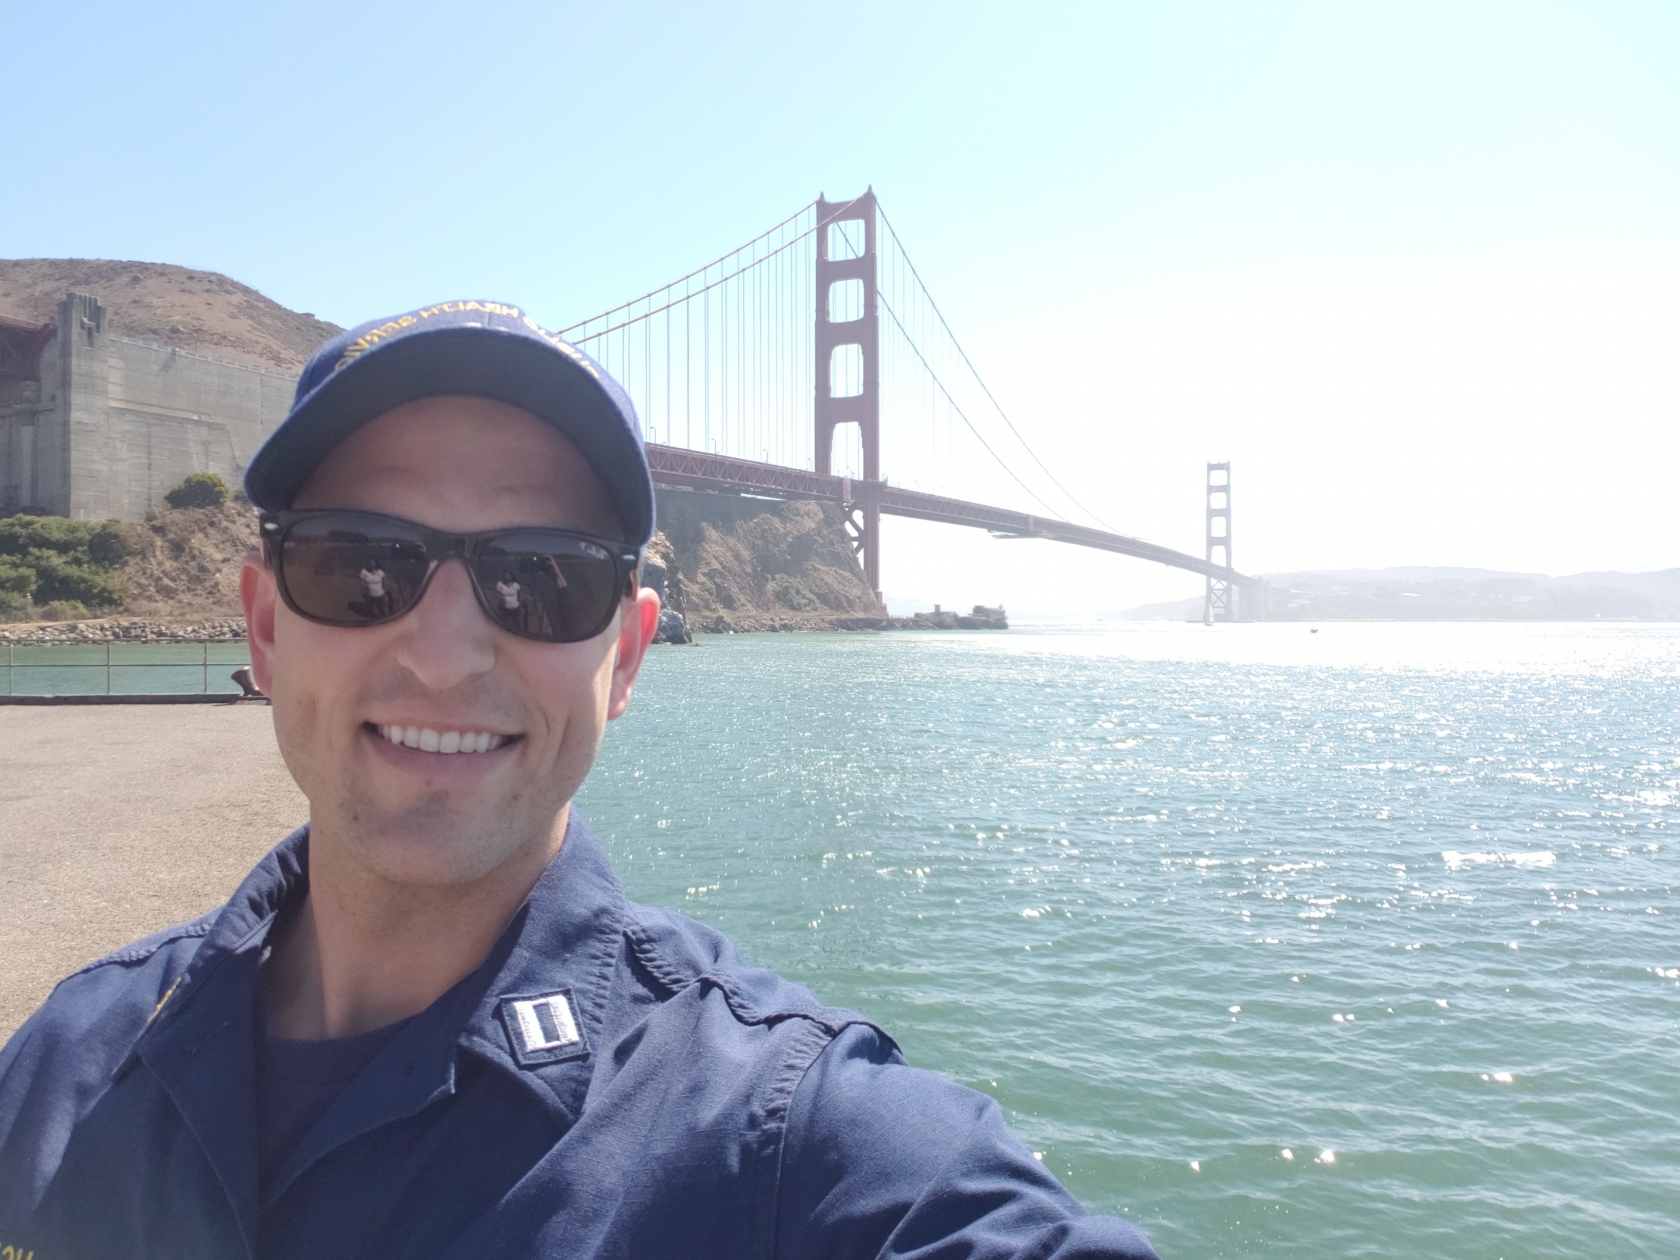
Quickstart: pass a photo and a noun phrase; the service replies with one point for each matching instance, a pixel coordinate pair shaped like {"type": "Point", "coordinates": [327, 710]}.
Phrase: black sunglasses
{"type": "Point", "coordinates": [348, 568]}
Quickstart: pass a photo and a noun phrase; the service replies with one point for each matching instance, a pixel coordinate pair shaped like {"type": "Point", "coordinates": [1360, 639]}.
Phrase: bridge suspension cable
{"type": "Point", "coordinates": [957, 407]}
{"type": "Point", "coordinates": [721, 360]}
{"type": "Point", "coordinates": [903, 255]}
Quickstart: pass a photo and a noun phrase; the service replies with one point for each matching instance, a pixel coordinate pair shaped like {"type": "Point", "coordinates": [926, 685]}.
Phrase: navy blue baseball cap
{"type": "Point", "coordinates": [482, 349]}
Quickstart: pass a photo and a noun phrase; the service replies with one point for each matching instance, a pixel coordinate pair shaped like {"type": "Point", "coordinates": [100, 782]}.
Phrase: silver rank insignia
{"type": "Point", "coordinates": [544, 1028]}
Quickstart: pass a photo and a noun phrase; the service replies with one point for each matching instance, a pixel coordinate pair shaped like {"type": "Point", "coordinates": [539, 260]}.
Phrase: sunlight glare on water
{"type": "Point", "coordinates": [1356, 943]}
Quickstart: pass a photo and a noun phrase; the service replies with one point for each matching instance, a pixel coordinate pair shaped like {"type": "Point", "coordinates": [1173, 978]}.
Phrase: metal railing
{"type": "Point", "coordinates": [115, 669]}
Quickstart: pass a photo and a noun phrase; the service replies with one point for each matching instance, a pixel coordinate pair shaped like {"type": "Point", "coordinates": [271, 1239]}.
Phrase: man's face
{"type": "Point", "coordinates": [407, 815]}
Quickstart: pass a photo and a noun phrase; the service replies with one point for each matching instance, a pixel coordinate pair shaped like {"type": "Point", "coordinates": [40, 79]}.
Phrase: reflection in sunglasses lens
{"type": "Point", "coordinates": [346, 574]}
{"type": "Point", "coordinates": [346, 569]}
{"type": "Point", "coordinates": [547, 587]}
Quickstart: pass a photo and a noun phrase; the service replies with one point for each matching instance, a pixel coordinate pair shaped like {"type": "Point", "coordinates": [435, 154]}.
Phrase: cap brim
{"type": "Point", "coordinates": [480, 362]}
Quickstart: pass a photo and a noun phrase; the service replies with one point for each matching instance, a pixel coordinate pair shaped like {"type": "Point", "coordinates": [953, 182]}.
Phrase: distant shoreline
{"type": "Point", "coordinates": [1416, 594]}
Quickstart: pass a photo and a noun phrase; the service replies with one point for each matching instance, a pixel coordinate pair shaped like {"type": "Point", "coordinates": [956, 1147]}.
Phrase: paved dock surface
{"type": "Point", "coordinates": [115, 822]}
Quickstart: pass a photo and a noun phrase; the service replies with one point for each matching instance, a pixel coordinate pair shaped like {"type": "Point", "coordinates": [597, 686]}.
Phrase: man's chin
{"type": "Point", "coordinates": [429, 847]}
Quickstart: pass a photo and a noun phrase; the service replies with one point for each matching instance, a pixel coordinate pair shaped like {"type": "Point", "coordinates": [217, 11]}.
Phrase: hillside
{"type": "Point", "coordinates": [174, 306]}
{"type": "Point", "coordinates": [184, 563]}
{"type": "Point", "coordinates": [749, 564]}
{"type": "Point", "coordinates": [733, 564]}
{"type": "Point", "coordinates": [749, 561]}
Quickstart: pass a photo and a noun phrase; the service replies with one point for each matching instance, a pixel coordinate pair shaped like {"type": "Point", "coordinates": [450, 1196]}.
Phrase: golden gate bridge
{"type": "Point", "coordinates": [800, 364]}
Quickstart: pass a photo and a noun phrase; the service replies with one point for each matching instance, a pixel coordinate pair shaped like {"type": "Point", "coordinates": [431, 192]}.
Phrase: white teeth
{"type": "Point", "coordinates": [428, 740]}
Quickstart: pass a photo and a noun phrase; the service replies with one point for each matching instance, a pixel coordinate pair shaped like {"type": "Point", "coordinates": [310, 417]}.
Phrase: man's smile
{"type": "Point", "coordinates": [431, 740]}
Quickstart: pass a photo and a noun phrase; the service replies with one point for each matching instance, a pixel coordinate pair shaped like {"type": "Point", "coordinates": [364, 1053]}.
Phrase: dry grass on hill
{"type": "Point", "coordinates": [202, 311]}
{"type": "Point", "coordinates": [185, 562]}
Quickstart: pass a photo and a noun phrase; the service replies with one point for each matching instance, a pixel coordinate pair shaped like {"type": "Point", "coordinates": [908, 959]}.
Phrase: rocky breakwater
{"type": "Point", "coordinates": [125, 630]}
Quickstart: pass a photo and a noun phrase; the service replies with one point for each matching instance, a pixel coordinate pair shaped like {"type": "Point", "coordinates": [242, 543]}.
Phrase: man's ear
{"type": "Point", "coordinates": [258, 596]}
{"type": "Point", "coordinates": [637, 624]}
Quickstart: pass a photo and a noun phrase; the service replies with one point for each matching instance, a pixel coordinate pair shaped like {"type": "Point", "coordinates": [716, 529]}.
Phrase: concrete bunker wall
{"type": "Point", "coordinates": [114, 423]}
{"type": "Point", "coordinates": [168, 413]}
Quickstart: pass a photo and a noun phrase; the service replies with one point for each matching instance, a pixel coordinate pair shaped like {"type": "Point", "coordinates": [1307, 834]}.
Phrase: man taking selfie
{"type": "Point", "coordinates": [429, 1023]}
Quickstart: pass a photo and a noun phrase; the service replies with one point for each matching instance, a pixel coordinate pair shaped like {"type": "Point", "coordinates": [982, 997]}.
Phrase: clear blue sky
{"type": "Point", "coordinates": [1413, 267]}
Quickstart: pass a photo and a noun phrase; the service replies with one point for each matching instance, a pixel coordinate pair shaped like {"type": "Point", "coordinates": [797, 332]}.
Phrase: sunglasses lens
{"type": "Point", "coordinates": [548, 586]}
{"type": "Point", "coordinates": [348, 571]}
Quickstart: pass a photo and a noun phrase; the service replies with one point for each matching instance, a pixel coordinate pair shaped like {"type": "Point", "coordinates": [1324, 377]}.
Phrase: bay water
{"type": "Point", "coordinates": [1362, 942]}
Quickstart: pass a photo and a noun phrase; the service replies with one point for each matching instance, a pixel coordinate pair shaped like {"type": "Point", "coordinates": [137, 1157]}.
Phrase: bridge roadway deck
{"type": "Point", "coordinates": [696, 470]}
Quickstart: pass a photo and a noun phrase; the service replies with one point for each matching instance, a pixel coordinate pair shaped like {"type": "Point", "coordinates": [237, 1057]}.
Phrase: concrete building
{"type": "Point", "coordinates": [94, 425]}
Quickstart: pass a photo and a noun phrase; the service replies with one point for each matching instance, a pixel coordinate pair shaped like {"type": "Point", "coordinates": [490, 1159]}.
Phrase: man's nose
{"type": "Point", "coordinates": [447, 638]}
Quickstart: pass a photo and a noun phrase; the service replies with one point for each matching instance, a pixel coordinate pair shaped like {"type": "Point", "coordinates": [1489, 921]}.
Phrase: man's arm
{"type": "Point", "coordinates": [56, 1065]}
{"type": "Point", "coordinates": [883, 1160]}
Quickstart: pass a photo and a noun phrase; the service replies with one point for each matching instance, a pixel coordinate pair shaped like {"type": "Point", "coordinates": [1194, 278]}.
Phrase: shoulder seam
{"type": "Point", "coordinates": [646, 949]}
{"type": "Point", "coordinates": [133, 953]}
{"type": "Point", "coordinates": [675, 978]}
{"type": "Point", "coordinates": [648, 953]}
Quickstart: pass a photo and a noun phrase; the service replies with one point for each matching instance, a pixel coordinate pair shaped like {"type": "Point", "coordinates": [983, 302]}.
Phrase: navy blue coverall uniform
{"type": "Point", "coordinates": [611, 1082]}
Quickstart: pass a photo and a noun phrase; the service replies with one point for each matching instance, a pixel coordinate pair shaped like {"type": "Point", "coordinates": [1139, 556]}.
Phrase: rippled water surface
{"type": "Point", "coordinates": [1356, 943]}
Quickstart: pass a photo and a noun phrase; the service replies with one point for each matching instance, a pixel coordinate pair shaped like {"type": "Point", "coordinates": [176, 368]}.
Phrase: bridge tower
{"type": "Point", "coordinates": [1221, 592]}
{"type": "Point", "coordinates": [839, 227]}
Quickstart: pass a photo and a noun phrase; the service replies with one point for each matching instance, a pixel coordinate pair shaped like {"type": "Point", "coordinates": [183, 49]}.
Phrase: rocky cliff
{"type": "Point", "coordinates": [740, 563]}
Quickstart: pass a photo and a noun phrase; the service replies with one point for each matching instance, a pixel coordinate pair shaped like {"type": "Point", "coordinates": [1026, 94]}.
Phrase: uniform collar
{"type": "Point", "coordinates": [561, 946]}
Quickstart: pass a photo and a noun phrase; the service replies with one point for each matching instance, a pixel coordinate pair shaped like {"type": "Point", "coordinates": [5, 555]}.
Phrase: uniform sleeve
{"type": "Point", "coordinates": [56, 1065]}
{"type": "Point", "coordinates": [883, 1160]}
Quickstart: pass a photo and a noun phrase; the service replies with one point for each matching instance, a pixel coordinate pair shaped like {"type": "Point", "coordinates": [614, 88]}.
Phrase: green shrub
{"type": "Point", "coordinates": [198, 490]}
{"type": "Point", "coordinates": [60, 577]}
{"type": "Point", "coordinates": [16, 579]}
{"type": "Point", "coordinates": [111, 543]}
{"type": "Point", "coordinates": [55, 559]}
{"type": "Point", "coordinates": [13, 606]}
{"type": "Point", "coordinates": [19, 535]}
{"type": "Point", "coordinates": [790, 592]}
{"type": "Point", "coordinates": [63, 610]}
